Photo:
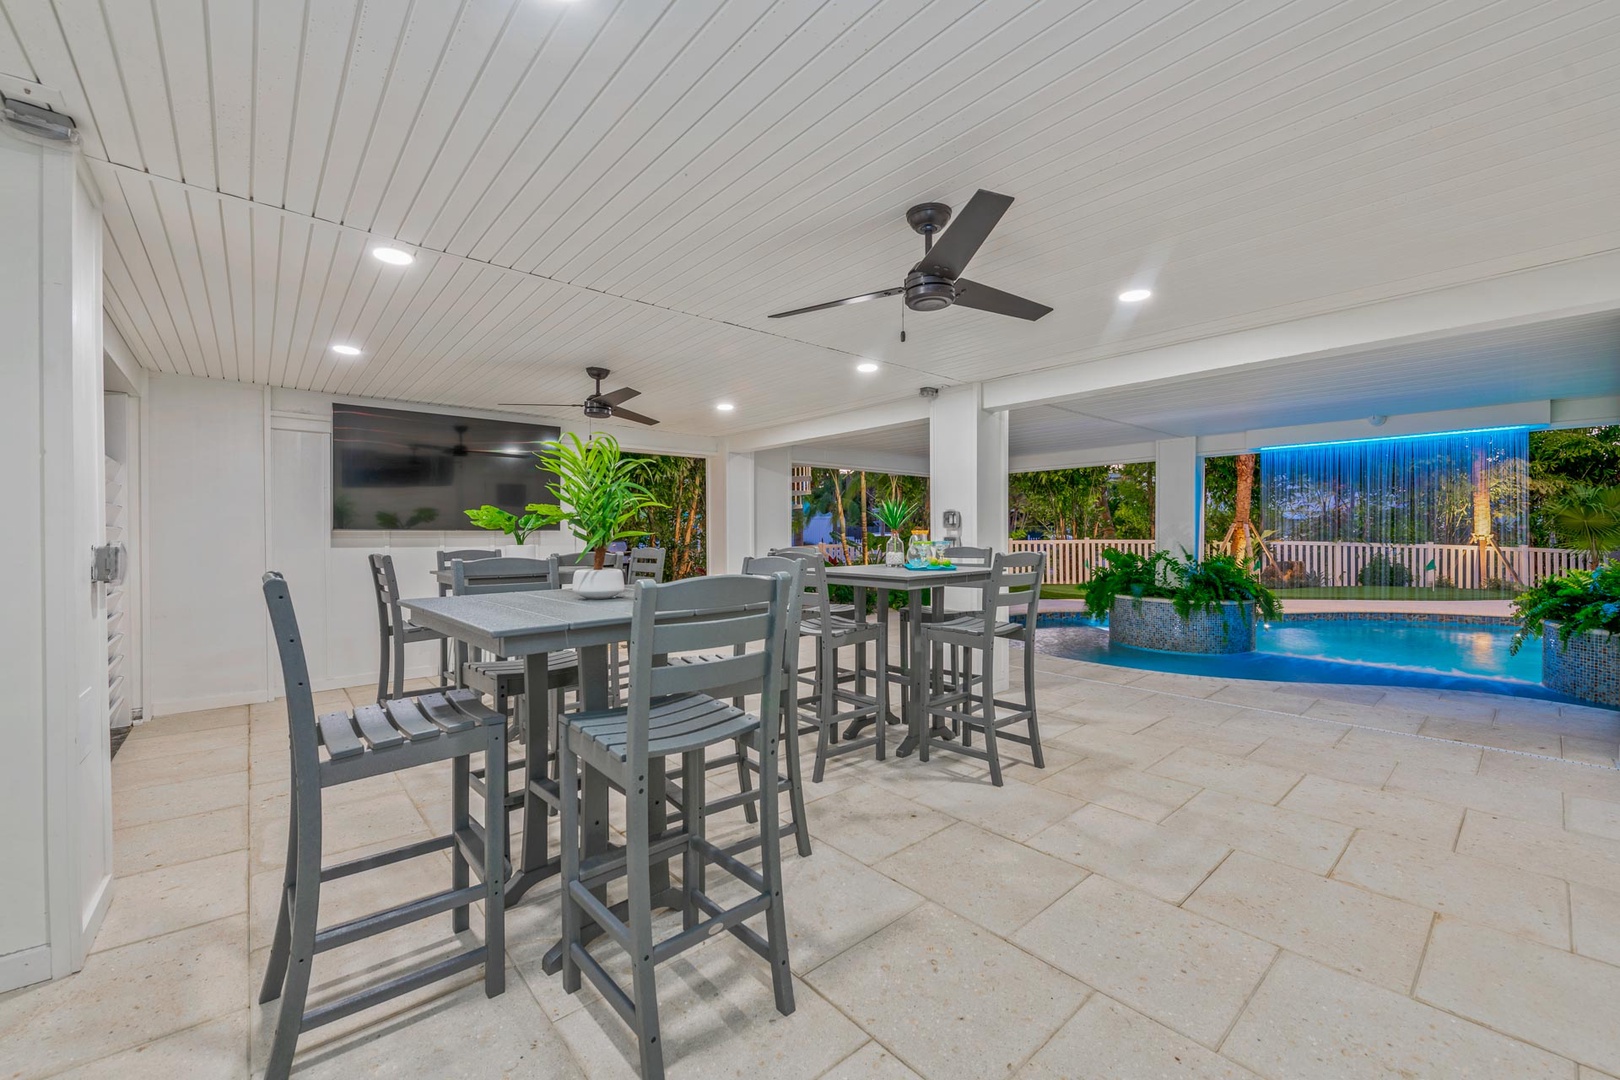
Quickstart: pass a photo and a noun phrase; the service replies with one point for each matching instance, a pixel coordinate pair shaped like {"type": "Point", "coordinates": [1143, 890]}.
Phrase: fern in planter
{"type": "Point", "coordinates": [1189, 584]}
{"type": "Point", "coordinates": [1578, 601]}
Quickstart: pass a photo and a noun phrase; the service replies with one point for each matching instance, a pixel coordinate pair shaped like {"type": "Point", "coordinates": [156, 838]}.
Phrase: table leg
{"type": "Point", "coordinates": [535, 861]}
{"type": "Point", "coordinates": [912, 699]}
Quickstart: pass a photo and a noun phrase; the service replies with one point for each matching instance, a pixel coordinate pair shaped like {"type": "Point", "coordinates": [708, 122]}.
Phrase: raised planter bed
{"type": "Point", "coordinates": [1151, 623]}
{"type": "Point", "coordinates": [1587, 666]}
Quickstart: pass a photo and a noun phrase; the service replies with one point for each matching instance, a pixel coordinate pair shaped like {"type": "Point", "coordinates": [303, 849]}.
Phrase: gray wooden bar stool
{"type": "Point", "coordinates": [976, 634]}
{"type": "Point", "coordinates": [744, 755]}
{"type": "Point", "coordinates": [443, 559]}
{"type": "Point", "coordinates": [342, 747]}
{"type": "Point", "coordinates": [394, 631]}
{"type": "Point", "coordinates": [677, 711]}
{"type": "Point", "coordinates": [504, 681]}
{"type": "Point", "coordinates": [835, 696]}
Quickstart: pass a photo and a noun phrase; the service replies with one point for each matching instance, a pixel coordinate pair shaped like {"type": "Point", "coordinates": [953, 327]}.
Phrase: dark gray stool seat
{"type": "Point", "coordinates": [339, 748]}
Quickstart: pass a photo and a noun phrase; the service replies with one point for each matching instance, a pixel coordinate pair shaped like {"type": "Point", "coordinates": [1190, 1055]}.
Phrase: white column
{"type": "Point", "coordinates": [967, 469]}
{"type": "Point", "coordinates": [1178, 479]}
{"type": "Point", "coordinates": [750, 504]}
{"type": "Point", "coordinates": [55, 779]}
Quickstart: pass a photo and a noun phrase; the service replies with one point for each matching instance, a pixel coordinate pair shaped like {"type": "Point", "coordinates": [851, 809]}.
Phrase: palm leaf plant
{"type": "Point", "coordinates": [893, 514]}
{"type": "Point", "coordinates": [599, 493]}
{"type": "Point", "coordinates": [1587, 519]}
{"type": "Point", "coordinates": [493, 518]}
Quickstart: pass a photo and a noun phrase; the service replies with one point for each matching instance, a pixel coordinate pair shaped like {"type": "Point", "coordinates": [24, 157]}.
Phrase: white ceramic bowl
{"type": "Point", "coordinates": [598, 584]}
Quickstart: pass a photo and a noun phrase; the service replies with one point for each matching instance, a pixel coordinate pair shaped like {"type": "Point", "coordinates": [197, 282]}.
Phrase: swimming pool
{"type": "Point", "coordinates": [1382, 651]}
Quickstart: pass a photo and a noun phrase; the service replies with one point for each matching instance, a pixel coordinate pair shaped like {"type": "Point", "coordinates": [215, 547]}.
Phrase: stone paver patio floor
{"type": "Point", "coordinates": [1209, 879]}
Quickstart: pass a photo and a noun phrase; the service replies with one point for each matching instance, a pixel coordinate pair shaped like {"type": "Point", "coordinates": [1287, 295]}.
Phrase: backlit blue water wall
{"type": "Point", "coordinates": [1403, 490]}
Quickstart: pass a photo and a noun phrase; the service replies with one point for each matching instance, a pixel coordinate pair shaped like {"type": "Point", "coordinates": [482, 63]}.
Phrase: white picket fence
{"type": "Point", "coordinates": [1069, 562]}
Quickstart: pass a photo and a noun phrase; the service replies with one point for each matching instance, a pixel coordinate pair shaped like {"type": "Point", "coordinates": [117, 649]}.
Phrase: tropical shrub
{"type": "Point", "coordinates": [1578, 601]}
{"type": "Point", "coordinates": [1189, 584]}
{"type": "Point", "coordinates": [1381, 571]}
{"type": "Point", "coordinates": [493, 518]}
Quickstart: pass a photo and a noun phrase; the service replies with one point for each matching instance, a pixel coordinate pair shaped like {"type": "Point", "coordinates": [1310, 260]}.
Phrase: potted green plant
{"type": "Point", "coordinates": [1577, 615]}
{"type": "Point", "coordinates": [600, 498]}
{"type": "Point", "coordinates": [493, 518]}
{"type": "Point", "coordinates": [894, 515]}
{"type": "Point", "coordinates": [1184, 605]}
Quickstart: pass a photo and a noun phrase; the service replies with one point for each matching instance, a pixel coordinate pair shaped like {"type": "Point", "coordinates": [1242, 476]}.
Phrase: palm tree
{"type": "Point", "coordinates": [1588, 518]}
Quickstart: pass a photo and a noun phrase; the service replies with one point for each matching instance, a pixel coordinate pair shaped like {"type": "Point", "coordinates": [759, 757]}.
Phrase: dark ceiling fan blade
{"type": "Point", "coordinates": [971, 294]}
{"type": "Point", "coordinates": [840, 303]}
{"type": "Point", "coordinates": [622, 394]}
{"type": "Point", "coordinates": [951, 254]}
{"type": "Point", "coordinates": [545, 404]}
{"type": "Point", "coordinates": [626, 414]}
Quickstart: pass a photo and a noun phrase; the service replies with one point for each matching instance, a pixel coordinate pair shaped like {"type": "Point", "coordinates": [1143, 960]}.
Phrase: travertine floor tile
{"type": "Point", "coordinates": [1406, 816]}
{"type": "Point", "coordinates": [1350, 766]}
{"type": "Point", "coordinates": [1309, 1022]}
{"type": "Point", "coordinates": [216, 1049]}
{"type": "Point", "coordinates": [871, 823]}
{"type": "Point", "coordinates": [1367, 935]}
{"type": "Point", "coordinates": [1015, 810]}
{"type": "Point", "coordinates": [126, 997]}
{"type": "Point", "coordinates": [1182, 970]}
{"type": "Point", "coordinates": [1410, 750]}
{"type": "Point", "coordinates": [1554, 998]}
{"type": "Point", "coordinates": [178, 840]}
{"type": "Point", "coordinates": [175, 897]}
{"type": "Point", "coordinates": [1107, 1041]}
{"type": "Point", "coordinates": [160, 802]}
{"type": "Point", "coordinates": [1508, 798]}
{"type": "Point", "coordinates": [1566, 776]}
{"type": "Point", "coordinates": [870, 1062]}
{"type": "Point", "coordinates": [1595, 914]}
{"type": "Point", "coordinates": [995, 882]}
{"type": "Point", "coordinates": [1120, 747]}
{"type": "Point", "coordinates": [169, 768]}
{"type": "Point", "coordinates": [1139, 853]}
{"type": "Point", "coordinates": [1543, 849]}
{"type": "Point", "coordinates": [1233, 775]}
{"type": "Point", "coordinates": [1516, 901]}
{"type": "Point", "coordinates": [1594, 817]}
{"type": "Point", "coordinates": [974, 1005]}
{"type": "Point", "coordinates": [1120, 787]}
{"type": "Point", "coordinates": [1262, 829]}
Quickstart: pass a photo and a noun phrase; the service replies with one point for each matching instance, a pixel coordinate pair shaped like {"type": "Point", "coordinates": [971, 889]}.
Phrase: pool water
{"type": "Point", "coordinates": [1414, 652]}
{"type": "Point", "coordinates": [1451, 648]}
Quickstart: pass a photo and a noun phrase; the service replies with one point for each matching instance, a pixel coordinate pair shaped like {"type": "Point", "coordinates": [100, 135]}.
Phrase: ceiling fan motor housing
{"type": "Point", "coordinates": [597, 410]}
{"type": "Point", "coordinates": [929, 292]}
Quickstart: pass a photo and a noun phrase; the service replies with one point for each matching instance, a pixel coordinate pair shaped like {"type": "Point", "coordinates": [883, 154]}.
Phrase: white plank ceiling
{"type": "Point", "coordinates": [638, 183]}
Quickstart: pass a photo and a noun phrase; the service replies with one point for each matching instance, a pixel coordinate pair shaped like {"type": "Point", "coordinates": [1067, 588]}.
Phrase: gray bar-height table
{"type": "Point", "coordinates": [531, 625]}
{"type": "Point", "coordinates": [914, 583]}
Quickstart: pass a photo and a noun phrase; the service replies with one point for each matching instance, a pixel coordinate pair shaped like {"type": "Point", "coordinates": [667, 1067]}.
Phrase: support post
{"type": "Point", "coordinates": [1178, 483]}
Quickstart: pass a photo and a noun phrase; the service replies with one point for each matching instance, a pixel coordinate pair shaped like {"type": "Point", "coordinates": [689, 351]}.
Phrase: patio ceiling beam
{"type": "Point", "coordinates": [878, 461]}
{"type": "Point", "coordinates": [872, 418]}
{"type": "Point", "coordinates": [1574, 287]}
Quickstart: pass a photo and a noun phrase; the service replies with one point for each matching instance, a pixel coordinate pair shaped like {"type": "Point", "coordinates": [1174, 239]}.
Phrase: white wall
{"type": "Point", "coordinates": [238, 480]}
{"type": "Point", "coordinates": [55, 783]}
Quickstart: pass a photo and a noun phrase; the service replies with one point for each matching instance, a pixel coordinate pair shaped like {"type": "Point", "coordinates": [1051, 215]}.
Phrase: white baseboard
{"type": "Point", "coordinates": [98, 911]}
{"type": "Point", "coordinates": [25, 967]}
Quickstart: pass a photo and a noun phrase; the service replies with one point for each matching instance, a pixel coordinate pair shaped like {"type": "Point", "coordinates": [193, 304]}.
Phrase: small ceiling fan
{"type": "Point", "coordinates": [597, 406]}
{"type": "Point", "coordinates": [937, 281]}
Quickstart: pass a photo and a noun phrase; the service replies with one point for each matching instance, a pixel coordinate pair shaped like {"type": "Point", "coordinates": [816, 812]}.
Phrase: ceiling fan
{"type": "Point", "coordinates": [937, 281]}
{"type": "Point", "coordinates": [597, 406]}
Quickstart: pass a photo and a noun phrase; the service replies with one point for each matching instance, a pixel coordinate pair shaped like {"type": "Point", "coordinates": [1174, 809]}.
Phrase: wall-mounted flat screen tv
{"type": "Point", "coordinates": [415, 470]}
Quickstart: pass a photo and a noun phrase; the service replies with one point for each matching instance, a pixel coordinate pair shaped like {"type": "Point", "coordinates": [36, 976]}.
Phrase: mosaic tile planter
{"type": "Point", "coordinates": [1154, 624]}
{"type": "Point", "coordinates": [1587, 666]}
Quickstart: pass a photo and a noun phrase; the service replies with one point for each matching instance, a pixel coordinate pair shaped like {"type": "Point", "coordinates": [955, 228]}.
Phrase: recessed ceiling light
{"type": "Point", "coordinates": [346, 350]}
{"type": "Point", "coordinates": [867, 368]}
{"type": "Point", "coordinates": [1135, 296]}
{"type": "Point", "coordinates": [725, 406]}
{"type": "Point", "coordinates": [393, 256]}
